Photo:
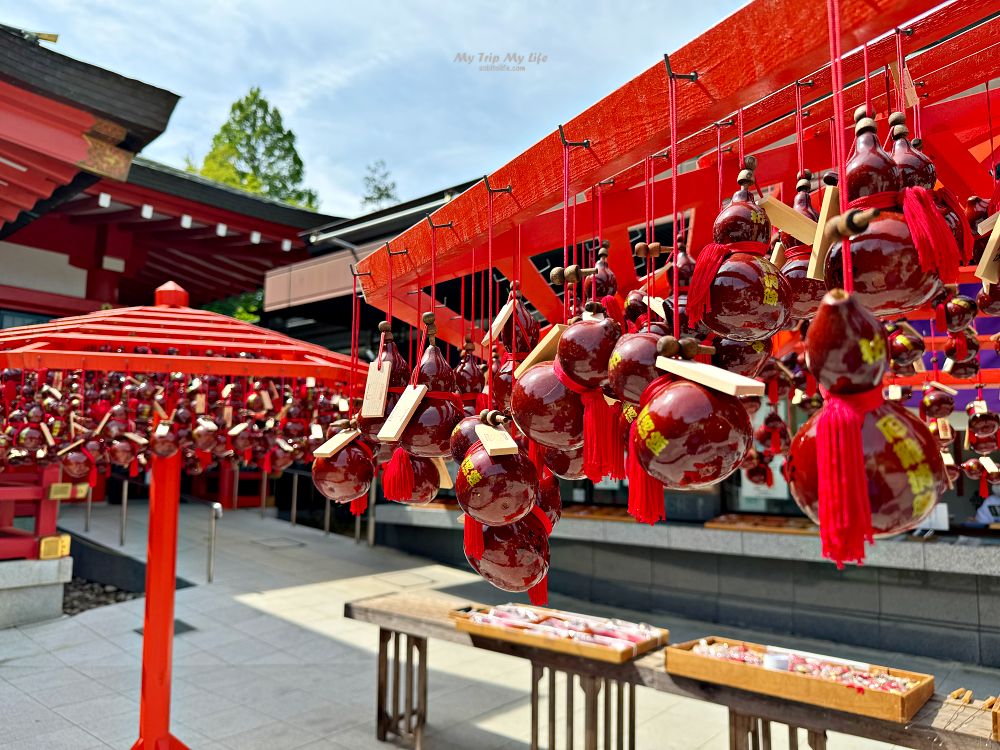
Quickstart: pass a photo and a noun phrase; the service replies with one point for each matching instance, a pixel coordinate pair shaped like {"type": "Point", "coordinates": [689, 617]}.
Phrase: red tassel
{"type": "Point", "coordinates": [267, 462]}
{"type": "Point", "coordinates": [247, 456]}
{"type": "Point", "coordinates": [599, 432]}
{"type": "Point", "coordinates": [772, 391]}
{"type": "Point", "coordinates": [614, 310]}
{"type": "Point", "coordinates": [769, 476]}
{"type": "Point", "coordinates": [810, 384]}
{"type": "Point", "coordinates": [935, 243]}
{"type": "Point", "coordinates": [845, 519]}
{"type": "Point", "coordinates": [536, 454]}
{"type": "Point", "coordinates": [645, 494]}
{"type": "Point", "coordinates": [397, 482]}
{"type": "Point", "coordinates": [204, 458]}
{"type": "Point", "coordinates": [472, 538]}
{"type": "Point", "coordinates": [133, 468]}
{"type": "Point", "coordinates": [940, 318]}
{"type": "Point", "coordinates": [616, 459]}
{"type": "Point", "coordinates": [9, 393]}
{"type": "Point", "coordinates": [539, 593]}
{"type": "Point", "coordinates": [359, 505]}
{"type": "Point", "coordinates": [984, 486]}
{"type": "Point", "coordinates": [482, 401]}
{"type": "Point", "coordinates": [705, 270]}
{"type": "Point", "coordinates": [949, 199]}
{"type": "Point", "coordinates": [775, 442]}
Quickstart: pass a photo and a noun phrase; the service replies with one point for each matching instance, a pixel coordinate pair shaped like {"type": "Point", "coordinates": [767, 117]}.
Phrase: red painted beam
{"type": "Point", "coordinates": [633, 121]}
{"type": "Point", "coordinates": [44, 303]}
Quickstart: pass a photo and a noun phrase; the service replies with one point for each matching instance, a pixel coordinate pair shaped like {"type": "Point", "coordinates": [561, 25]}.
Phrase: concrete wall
{"type": "Point", "coordinates": [32, 590]}
{"type": "Point", "coordinates": [42, 270]}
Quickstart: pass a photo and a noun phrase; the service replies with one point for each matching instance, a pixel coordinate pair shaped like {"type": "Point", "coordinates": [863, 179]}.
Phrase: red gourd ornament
{"type": "Point", "coordinates": [632, 366]}
{"type": "Point", "coordinates": [745, 358]}
{"type": "Point", "coordinates": [566, 463]}
{"type": "Point", "coordinates": [861, 466]}
{"type": "Point", "coordinates": [463, 437]}
{"type": "Point", "coordinates": [962, 346]}
{"type": "Point", "coordinates": [428, 433]}
{"type": "Point", "coordinates": [515, 558]}
{"type": "Point", "coordinates": [984, 445]}
{"type": "Point", "coordinates": [426, 482]}
{"type": "Point", "coordinates": [346, 475]}
{"type": "Point", "coordinates": [546, 410]}
{"type": "Point", "coordinates": [977, 210]}
{"type": "Point", "coordinates": [735, 289]}
{"type": "Point", "coordinates": [982, 423]}
{"type": "Point", "coordinates": [901, 257]}
{"type": "Point", "coordinates": [389, 356]}
{"type": "Point", "coordinates": [469, 379]}
{"type": "Point", "coordinates": [581, 364]}
{"type": "Point", "coordinates": [936, 403]}
{"type": "Point", "coordinates": [988, 299]}
{"type": "Point", "coordinates": [493, 491]}
{"type": "Point", "coordinates": [804, 293]}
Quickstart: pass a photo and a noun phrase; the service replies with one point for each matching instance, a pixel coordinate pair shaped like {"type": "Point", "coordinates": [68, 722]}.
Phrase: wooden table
{"type": "Point", "coordinates": [940, 724]}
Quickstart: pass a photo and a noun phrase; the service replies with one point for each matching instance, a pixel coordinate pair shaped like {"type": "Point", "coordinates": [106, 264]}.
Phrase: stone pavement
{"type": "Point", "coordinates": [271, 663]}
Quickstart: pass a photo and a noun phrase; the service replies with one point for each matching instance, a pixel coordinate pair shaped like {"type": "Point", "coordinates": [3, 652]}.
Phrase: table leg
{"type": "Point", "coordinates": [381, 717]}
{"type": "Point", "coordinates": [418, 732]}
{"type": "Point", "coordinates": [591, 690]}
{"type": "Point", "coordinates": [552, 709]}
{"type": "Point", "coordinates": [536, 676]}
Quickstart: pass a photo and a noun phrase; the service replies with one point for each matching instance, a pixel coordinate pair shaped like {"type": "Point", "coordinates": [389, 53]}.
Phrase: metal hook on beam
{"type": "Point", "coordinates": [446, 225]}
{"type": "Point", "coordinates": [356, 273]}
{"type": "Point", "coordinates": [404, 251]}
{"type": "Point", "coordinates": [807, 82]}
{"type": "Point", "coordinates": [508, 189]}
{"type": "Point", "coordinates": [585, 143]}
{"type": "Point", "coordinates": [670, 71]}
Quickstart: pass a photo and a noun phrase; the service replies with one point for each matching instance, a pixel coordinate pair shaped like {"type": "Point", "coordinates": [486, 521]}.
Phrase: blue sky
{"type": "Point", "coordinates": [359, 81]}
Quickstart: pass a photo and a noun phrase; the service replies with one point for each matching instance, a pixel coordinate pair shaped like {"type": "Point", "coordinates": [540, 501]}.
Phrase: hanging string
{"type": "Point", "coordinates": [868, 82]}
{"type": "Point", "coordinates": [836, 67]}
{"type": "Point", "coordinates": [989, 119]}
{"type": "Point", "coordinates": [900, 66]}
{"type": "Point", "coordinates": [355, 335]}
{"type": "Point", "coordinates": [565, 203]}
{"type": "Point", "coordinates": [718, 158]}
{"type": "Point", "coordinates": [647, 165]}
{"type": "Point", "coordinates": [739, 134]}
{"type": "Point", "coordinates": [577, 289]}
{"type": "Point", "coordinates": [388, 309]}
{"type": "Point", "coordinates": [489, 262]}
{"type": "Point", "coordinates": [676, 281]}
{"type": "Point", "coordinates": [800, 145]}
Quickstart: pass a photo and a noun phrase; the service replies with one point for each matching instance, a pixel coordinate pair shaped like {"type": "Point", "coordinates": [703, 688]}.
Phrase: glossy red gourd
{"type": "Point", "coordinates": [547, 411]}
{"type": "Point", "coordinates": [748, 299]}
{"type": "Point", "coordinates": [550, 497]}
{"type": "Point", "coordinates": [846, 349]}
{"type": "Point", "coordinates": [121, 451]}
{"type": "Point", "coordinates": [903, 466]}
{"type": "Point", "coordinates": [527, 328]}
{"type": "Point", "coordinates": [496, 490]}
{"type": "Point", "coordinates": [344, 476]}
{"type": "Point", "coordinates": [804, 293]}
{"type": "Point", "coordinates": [742, 357]}
{"type": "Point", "coordinates": [463, 437]}
{"type": "Point", "coordinates": [888, 277]}
{"type": "Point", "coordinates": [585, 349]}
{"type": "Point", "coordinates": [428, 433]}
{"type": "Point", "coordinates": [988, 300]}
{"type": "Point", "coordinates": [982, 424]}
{"type": "Point", "coordinates": [426, 482]}
{"type": "Point", "coordinates": [962, 346]}
{"type": "Point", "coordinates": [75, 465]}
{"type": "Point", "coordinates": [566, 463]}
{"type": "Point", "coordinates": [689, 436]}
{"type": "Point", "coordinates": [632, 366]}
{"type": "Point", "coordinates": [936, 404]}
{"type": "Point", "coordinates": [515, 556]}
{"type": "Point", "coordinates": [984, 445]}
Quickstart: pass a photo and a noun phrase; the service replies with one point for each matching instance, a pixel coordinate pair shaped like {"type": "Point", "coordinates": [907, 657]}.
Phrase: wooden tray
{"type": "Point", "coordinates": [799, 687]}
{"type": "Point", "coordinates": [561, 645]}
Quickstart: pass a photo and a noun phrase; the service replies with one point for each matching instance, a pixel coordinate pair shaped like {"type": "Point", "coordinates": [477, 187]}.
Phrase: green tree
{"type": "Point", "coordinates": [254, 151]}
{"type": "Point", "coordinates": [380, 190]}
{"type": "Point", "coordinates": [245, 306]}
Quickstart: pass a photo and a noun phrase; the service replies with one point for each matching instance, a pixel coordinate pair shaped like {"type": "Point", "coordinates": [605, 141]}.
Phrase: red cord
{"type": "Point", "coordinates": [868, 83]}
{"type": "Point", "coordinates": [718, 159]}
{"type": "Point", "coordinates": [355, 334]}
{"type": "Point", "coordinates": [836, 67]}
{"type": "Point", "coordinates": [989, 118]}
{"type": "Point", "coordinates": [489, 262]}
{"type": "Point", "coordinates": [800, 146]}
{"type": "Point", "coordinates": [565, 228]}
{"type": "Point", "coordinates": [676, 283]}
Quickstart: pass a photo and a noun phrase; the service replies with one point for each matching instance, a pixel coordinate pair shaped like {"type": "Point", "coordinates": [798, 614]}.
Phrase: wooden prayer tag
{"type": "Point", "coordinates": [137, 438]}
{"type": "Point", "coordinates": [895, 392]}
{"type": "Point", "coordinates": [986, 225]}
{"type": "Point", "coordinates": [47, 433]}
{"type": "Point", "coordinates": [544, 351]}
{"type": "Point", "coordinates": [399, 417]}
{"type": "Point", "coordinates": [797, 398]}
{"type": "Point", "coordinates": [711, 377]}
{"type": "Point", "coordinates": [656, 305]}
{"type": "Point", "coordinates": [948, 364]}
{"type": "Point", "coordinates": [196, 384]}
{"type": "Point", "coordinates": [989, 265]}
{"type": "Point", "coordinates": [592, 316]}
{"type": "Point", "coordinates": [343, 405]}
{"type": "Point", "coordinates": [918, 365]}
{"type": "Point", "coordinates": [376, 390]}
{"type": "Point", "coordinates": [162, 429]}
{"type": "Point", "coordinates": [778, 255]}
{"type": "Point", "coordinates": [787, 219]}
{"type": "Point", "coordinates": [310, 382]}
{"type": "Point", "coordinates": [821, 241]}
{"type": "Point", "coordinates": [200, 403]}
{"type": "Point", "coordinates": [227, 390]}
{"type": "Point", "coordinates": [159, 410]}
{"type": "Point", "coordinates": [315, 431]}
{"type": "Point", "coordinates": [335, 444]}
{"type": "Point", "coordinates": [943, 387]}
{"type": "Point", "coordinates": [70, 447]}
{"type": "Point", "coordinates": [944, 428]}
{"type": "Point", "coordinates": [265, 398]}
{"type": "Point", "coordinates": [238, 429]}
{"type": "Point", "coordinates": [949, 460]}
{"type": "Point", "coordinates": [987, 463]}
{"type": "Point", "coordinates": [499, 322]}
{"type": "Point", "coordinates": [496, 440]}
{"type": "Point", "coordinates": [227, 415]}
{"type": "Point", "coordinates": [102, 423]}
{"type": "Point", "coordinates": [445, 482]}
{"type": "Point", "coordinates": [979, 407]}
